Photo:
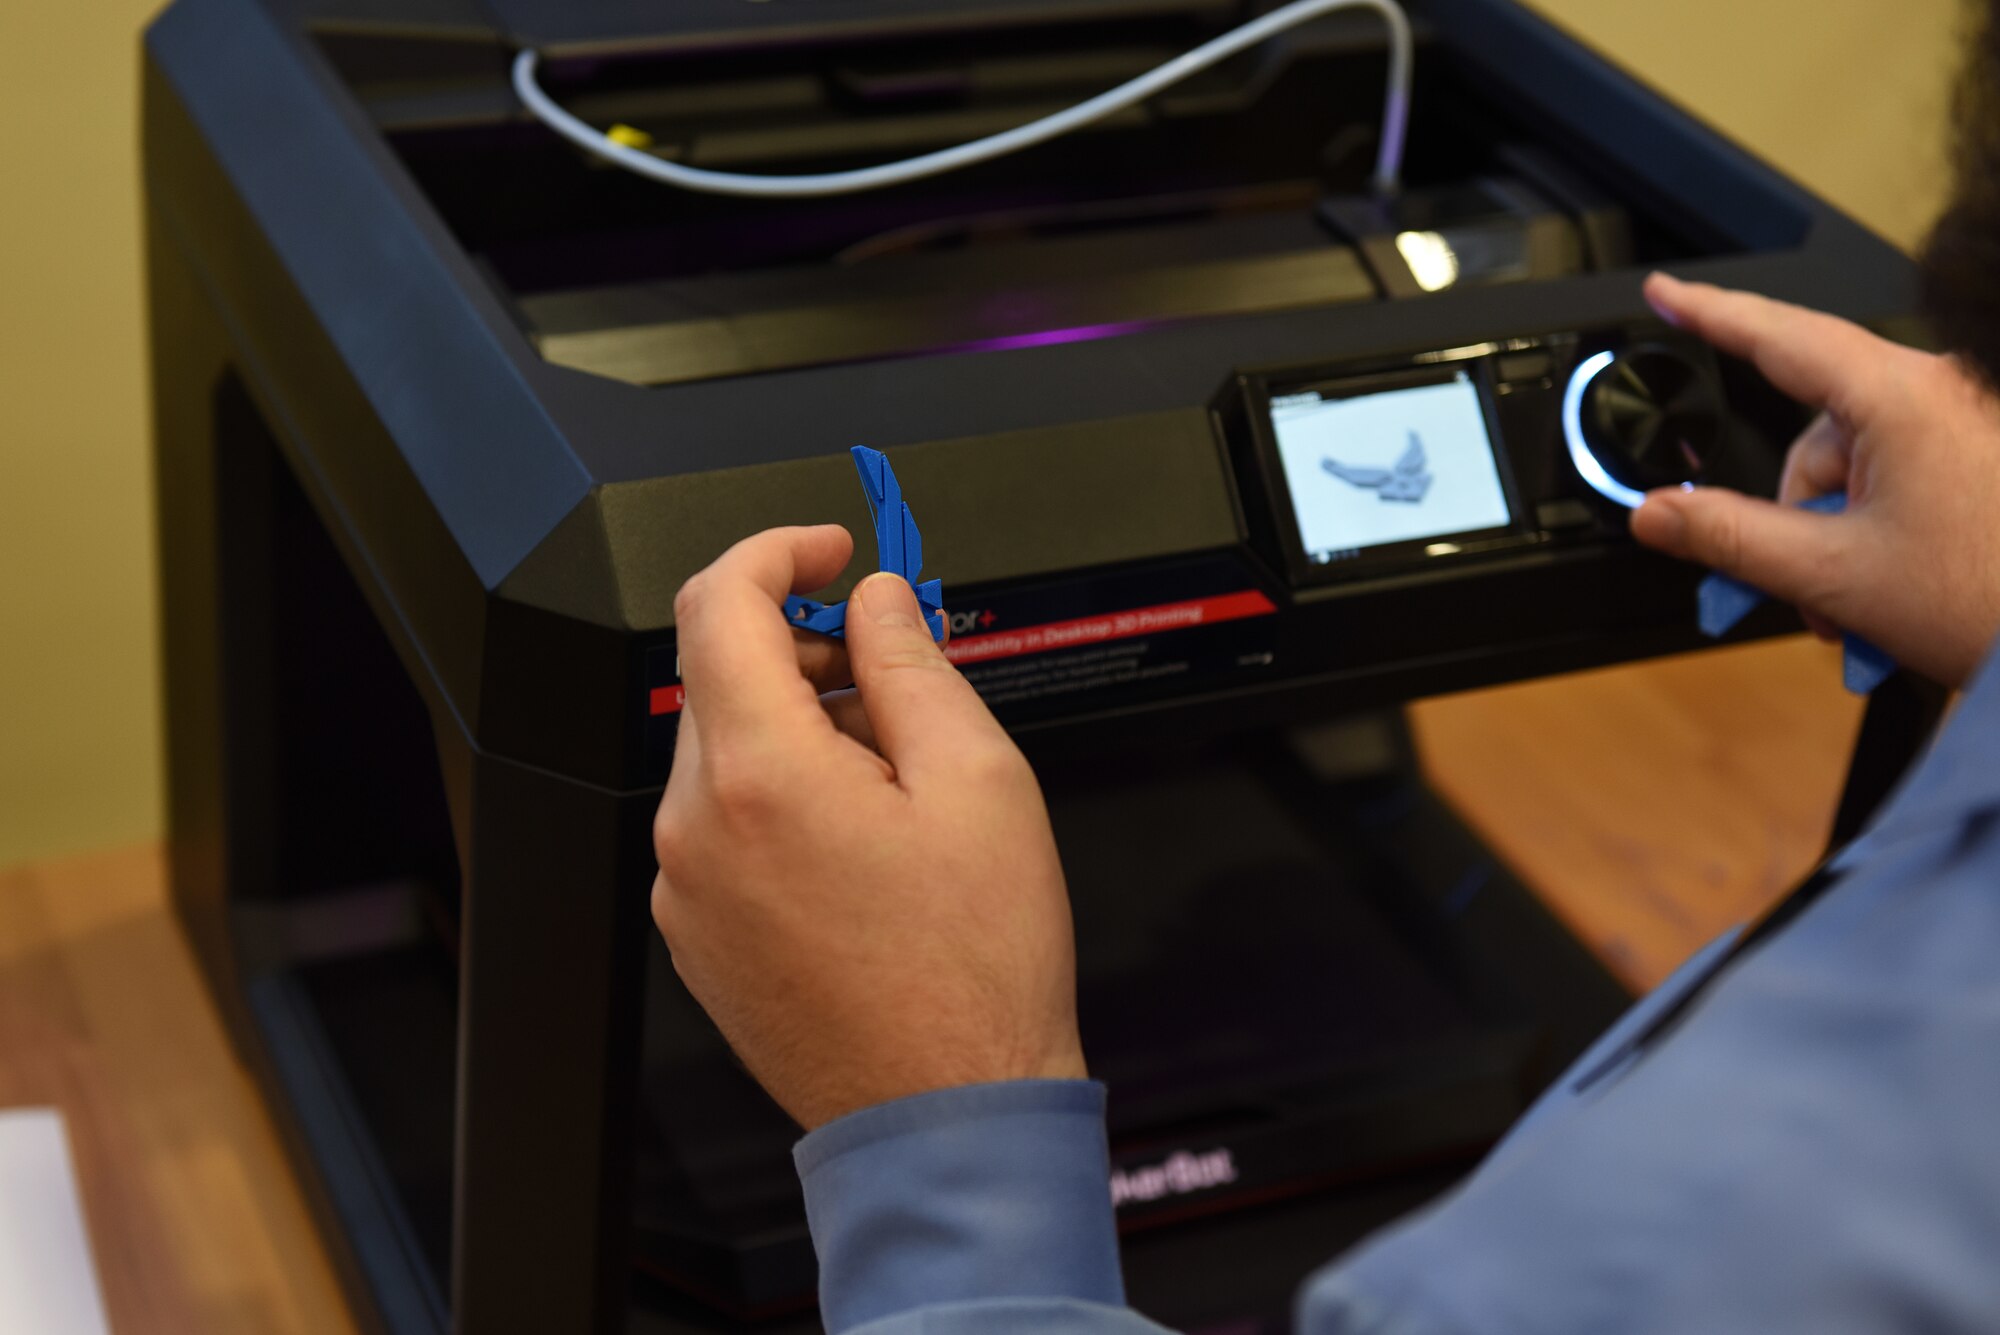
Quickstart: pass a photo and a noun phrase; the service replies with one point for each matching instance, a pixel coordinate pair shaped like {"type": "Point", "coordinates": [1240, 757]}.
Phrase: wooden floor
{"type": "Point", "coordinates": [197, 1223]}
{"type": "Point", "coordinates": [1651, 806]}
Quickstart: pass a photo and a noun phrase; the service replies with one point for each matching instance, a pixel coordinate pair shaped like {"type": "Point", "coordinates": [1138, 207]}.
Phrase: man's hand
{"type": "Point", "coordinates": [861, 888]}
{"type": "Point", "coordinates": [1913, 439]}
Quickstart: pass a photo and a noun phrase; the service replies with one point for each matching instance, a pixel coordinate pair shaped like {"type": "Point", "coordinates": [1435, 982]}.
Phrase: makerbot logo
{"type": "Point", "coordinates": [1182, 1174]}
{"type": "Point", "coordinates": [965, 623]}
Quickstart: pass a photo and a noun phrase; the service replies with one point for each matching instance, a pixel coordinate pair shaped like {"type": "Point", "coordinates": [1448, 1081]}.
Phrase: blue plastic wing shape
{"type": "Point", "coordinates": [899, 549]}
{"type": "Point", "coordinates": [1722, 602]}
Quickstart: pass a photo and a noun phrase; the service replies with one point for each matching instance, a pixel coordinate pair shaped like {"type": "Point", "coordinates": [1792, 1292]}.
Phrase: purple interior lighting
{"type": "Point", "coordinates": [1050, 337]}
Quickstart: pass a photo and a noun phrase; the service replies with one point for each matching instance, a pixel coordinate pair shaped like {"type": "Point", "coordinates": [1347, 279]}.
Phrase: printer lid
{"type": "Point", "coordinates": [565, 27]}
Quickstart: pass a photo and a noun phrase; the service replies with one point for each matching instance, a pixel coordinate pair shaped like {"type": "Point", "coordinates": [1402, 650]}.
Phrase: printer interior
{"type": "Point", "coordinates": [1243, 190]}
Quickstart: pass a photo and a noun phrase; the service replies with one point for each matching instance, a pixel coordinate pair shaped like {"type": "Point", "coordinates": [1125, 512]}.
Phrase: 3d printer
{"type": "Point", "coordinates": [1220, 452]}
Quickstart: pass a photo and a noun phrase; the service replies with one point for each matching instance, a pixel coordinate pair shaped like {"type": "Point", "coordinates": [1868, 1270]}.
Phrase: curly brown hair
{"type": "Point", "coordinates": [1961, 262]}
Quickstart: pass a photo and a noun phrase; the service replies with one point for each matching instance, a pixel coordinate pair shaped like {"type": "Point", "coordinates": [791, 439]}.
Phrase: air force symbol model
{"type": "Point", "coordinates": [899, 549]}
{"type": "Point", "coordinates": [1409, 481]}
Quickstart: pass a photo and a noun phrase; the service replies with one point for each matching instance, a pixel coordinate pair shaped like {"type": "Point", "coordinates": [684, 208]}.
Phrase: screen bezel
{"type": "Point", "coordinates": [1357, 383]}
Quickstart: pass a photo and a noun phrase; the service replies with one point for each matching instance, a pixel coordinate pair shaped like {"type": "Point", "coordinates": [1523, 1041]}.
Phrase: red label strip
{"type": "Point", "coordinates": [1082, 631]}
{"type": "Point", "coordinates": [1109, 626]}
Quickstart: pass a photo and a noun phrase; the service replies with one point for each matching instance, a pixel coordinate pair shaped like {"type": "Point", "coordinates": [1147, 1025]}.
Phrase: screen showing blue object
{"type": "Point", "coordinates": [1393, 466]}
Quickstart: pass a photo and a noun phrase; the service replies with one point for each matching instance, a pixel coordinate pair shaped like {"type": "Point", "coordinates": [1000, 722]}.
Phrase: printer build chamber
{"type": "Point", "coordinates": [1244, 190]}
{"type": "Point", "coordinates": [446, 411]}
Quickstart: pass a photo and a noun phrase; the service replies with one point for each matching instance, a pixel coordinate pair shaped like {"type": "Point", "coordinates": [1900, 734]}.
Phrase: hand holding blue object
{"type": "Point", "coordinates": [1723, 601]}
{"type": "Point", "coordinates": [899, 549]}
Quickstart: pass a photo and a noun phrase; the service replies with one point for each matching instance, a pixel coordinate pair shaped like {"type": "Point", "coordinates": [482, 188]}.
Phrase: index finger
{"type": "Point", "coordinates": [1819, 359]}
{"type": "Point", "coordinates": [739, 662]}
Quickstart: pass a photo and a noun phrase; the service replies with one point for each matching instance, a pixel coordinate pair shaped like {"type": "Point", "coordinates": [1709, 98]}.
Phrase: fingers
{"type": "Point", "coordinates": [1828, 363]}
{"type": "Point", "coordinates": [850, 716]}
{"type": "Point", "coordinates": [739, 660]}
{"type": "Point", "coordinates": [925, 717]}
{"type": "Point", "coordinates": [1790, 554]}
{"type": "Point", "coordinates": [1820, 462]}
{"type": "Point", "coordinates": [823, 660]}
{"type": "Point", "coordinates": [1819, 359]}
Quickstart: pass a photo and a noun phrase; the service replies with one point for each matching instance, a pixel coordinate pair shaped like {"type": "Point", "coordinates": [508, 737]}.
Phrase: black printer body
{"type": "Point", "coordinates": [1219, 456]}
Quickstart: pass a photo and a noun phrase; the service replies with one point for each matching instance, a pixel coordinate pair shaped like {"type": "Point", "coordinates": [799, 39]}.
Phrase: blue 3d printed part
{"type": "Point", "coordinates": [1722, 602]}
{"type": "Point", "coordinates": [899, 549]}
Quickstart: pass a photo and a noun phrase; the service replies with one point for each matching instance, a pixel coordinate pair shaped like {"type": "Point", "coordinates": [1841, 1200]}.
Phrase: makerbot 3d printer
{"type": "Point", "coordinates": [1220, 453]}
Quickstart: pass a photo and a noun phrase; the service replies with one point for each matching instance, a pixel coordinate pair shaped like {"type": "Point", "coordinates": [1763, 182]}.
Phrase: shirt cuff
{"type": "Point", "coordinates": [984, 1192]}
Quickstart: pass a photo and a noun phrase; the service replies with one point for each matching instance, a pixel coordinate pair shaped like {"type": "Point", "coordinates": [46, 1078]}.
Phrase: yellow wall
{"type": "Point", "coordinates": [79, 703]}
{"type": "Point", "coordinates": [1846, 94]}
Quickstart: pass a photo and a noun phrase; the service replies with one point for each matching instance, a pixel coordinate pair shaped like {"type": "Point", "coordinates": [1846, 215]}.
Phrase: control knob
{"type": "Point", "coordinates": [1642, 418]}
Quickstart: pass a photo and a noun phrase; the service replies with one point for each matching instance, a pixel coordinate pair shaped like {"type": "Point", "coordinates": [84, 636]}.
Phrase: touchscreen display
{"type": "Point", "coordinates": [1391, 466]}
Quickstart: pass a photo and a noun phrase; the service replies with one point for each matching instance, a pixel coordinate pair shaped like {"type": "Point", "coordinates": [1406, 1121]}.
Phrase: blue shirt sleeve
{"type": "Point", "coordinates": [985, 1208]}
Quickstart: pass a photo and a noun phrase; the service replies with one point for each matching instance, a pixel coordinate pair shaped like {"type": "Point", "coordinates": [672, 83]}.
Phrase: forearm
{"type": "Point", "coordinates": [962, 1210]}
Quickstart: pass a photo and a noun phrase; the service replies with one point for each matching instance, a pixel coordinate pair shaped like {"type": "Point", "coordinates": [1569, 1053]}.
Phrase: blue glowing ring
{"type": "Point", "coordinates": [1587, 463]}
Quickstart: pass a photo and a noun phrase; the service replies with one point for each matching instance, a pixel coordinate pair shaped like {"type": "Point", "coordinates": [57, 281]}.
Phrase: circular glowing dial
{"type": "Point", "coordinates": [1639, 419]}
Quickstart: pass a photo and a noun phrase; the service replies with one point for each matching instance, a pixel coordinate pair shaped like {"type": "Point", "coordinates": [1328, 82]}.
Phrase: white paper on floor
{"type": "Point", "coordinates": [47, 1282]}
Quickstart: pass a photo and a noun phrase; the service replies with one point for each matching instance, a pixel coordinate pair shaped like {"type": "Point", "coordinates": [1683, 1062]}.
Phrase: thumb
{"type": "Point", "coordinates": [1791, 554]}
{"type": "Point", "coordinates": [922, 711]}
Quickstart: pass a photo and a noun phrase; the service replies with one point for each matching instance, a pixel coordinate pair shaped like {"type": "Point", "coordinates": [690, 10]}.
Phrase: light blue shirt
{"type": "Point", "coordinates": [1814, 1146]}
